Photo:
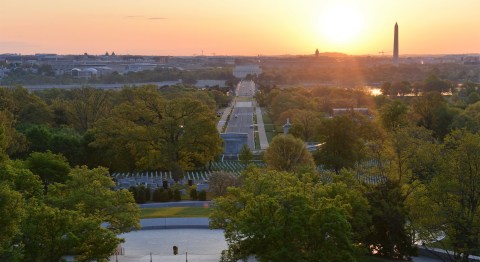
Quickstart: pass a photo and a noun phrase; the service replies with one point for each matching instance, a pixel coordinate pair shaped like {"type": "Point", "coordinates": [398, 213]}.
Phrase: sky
{"type": "Point", "coordinates": [238, 27]}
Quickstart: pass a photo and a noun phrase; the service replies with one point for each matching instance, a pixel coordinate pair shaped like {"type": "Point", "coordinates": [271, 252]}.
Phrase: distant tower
{"type": "Point", "coordinates": [395, 46]}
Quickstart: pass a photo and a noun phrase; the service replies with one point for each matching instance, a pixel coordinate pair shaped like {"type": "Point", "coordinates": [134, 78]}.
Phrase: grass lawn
{"type": "Point", "coordinates": [269, 127]}
{"type": "Point", "coordinates": [174, 212]}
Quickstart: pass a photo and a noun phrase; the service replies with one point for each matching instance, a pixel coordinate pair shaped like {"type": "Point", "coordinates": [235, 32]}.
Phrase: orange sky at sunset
{"type": "Point", "coordinates": [241, 27]}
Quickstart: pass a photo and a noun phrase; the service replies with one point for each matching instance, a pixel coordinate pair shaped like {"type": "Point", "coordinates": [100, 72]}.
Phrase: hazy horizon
{"type": "Point", "coordinates": [238, 28]}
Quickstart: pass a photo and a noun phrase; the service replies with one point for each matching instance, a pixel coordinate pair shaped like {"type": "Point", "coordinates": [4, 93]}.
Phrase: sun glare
{"type": "Point", "coordinates": [340, 23]}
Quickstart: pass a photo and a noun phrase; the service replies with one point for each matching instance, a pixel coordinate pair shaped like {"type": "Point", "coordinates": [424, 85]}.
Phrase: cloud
{"type": "Point", "coordinates": [157, 18]}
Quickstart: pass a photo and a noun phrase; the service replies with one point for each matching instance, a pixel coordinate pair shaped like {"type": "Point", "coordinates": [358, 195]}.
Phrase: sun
{"type": "Point", "coordinates": [340, 24]}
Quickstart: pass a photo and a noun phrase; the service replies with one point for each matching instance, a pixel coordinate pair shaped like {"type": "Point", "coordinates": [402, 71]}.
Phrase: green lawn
{"type": "Point", "coordinates": [174, 212]}
{"type": "Point", "coordinates": [269, 127]}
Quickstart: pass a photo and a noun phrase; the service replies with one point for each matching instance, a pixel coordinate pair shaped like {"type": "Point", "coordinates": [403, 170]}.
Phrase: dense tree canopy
{"type": "Point", "coordinates": [155, 133]}
{"type": "Point", "coordinates": [287, 153]}
{"type": "Point", "coordinates": [272, 216]}
{"type": "Point", "coordinates": [450, 201]}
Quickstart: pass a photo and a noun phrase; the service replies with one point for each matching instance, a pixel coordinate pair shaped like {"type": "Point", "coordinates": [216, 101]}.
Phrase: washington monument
{"type": "Point", "coordinates": [395, 46]}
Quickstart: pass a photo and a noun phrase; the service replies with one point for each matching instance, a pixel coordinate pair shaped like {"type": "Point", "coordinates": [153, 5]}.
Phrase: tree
{"type": "Point", "coordinates": [245, 155]}
{"type": "Point", "coordinates": [12, 210]}
{"type": "Point", "coordinates": [39, 137]}
{"type": "Point", "coordinates": [425, 107]}
{"type": "Point", "coordinates": [12, 142]}
{"type": "Point", "coordinates": [401, 88]}
{"type": "Point", "coordinates": [386, 88]}
{"type": "Point", "coordinates": [89, 191]}
{"type": "Point", "coordinates": [272, 216]}
{"type": "Point", "coordinates": [342, 144]}
{"type": "Point", "coordinates": [220, 181]}
{"type": "Point", "coordinates": [87, 107]}
{"type": "Point", "coordinates": [50, 233]}
{"type": "Point", "coordinates": [432, 112]}
{"type": "Point", "coordinates": [24, 106]}
{"type": "Point", "coordinates": [388, 234]}
{"type": "Point", "coordinates": [394, 115]}
{"type": "Point", "coordinates": [435, 84]}
{"type": "Point", "coordinates": [49, 167]}
{"type": "Point", "coordinates": [304, 124]}
{"type": "Point", "coordinates": [450, 201]}
{"type": "Point", "coordinates": [287, 153]}
{"type": "Point", "coordinates": [177, 135]}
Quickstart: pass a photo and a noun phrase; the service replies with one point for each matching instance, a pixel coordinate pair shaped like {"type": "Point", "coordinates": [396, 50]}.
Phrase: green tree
{"type": "Point", "coordinates": [220, 181]}
{"type": "Point", "coordinates": [245, 155]}
{"type": "Point", "coordinates": [389, 235]}
{"type": "Point", "coordinates": [394, 115]}
{"type": "Point", "coordinates": [450, 201]}
{"type": "Point", "coordinates": [12, 142]}
{"type": "Point", "coordinates": [304, 124]}
{"type": "Point", "coordinates": [432, 112]}
{"type": "Point", "coordinates": [435, 84]}
{"type": "Point", "coordinates": [89, 191]}
{"type": "Point", "coordinates": [386, 88]}
{"type": "Point", "coordinates": [287, 153]}
{"type": "Point", "coordinates": [177, 135]}
{"type": "Point", "coordinates": [342, 143]}
{"type": "Point", "coordinates": [50, 233]}
{"type": "Point", "coordinates": [48, 166]}
{"type": "Point", "coordinates": [272, 216]}
{"type": "Point", "coordinates": [39, 137]}
{"type": "Point", "coordinates": [12, 210]}
{"type": "Point", "coordinates": [401, 88]}
{"type": "Point", "coordinates": [87, 107]}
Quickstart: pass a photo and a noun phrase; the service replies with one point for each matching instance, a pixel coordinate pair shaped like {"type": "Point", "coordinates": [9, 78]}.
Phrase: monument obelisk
{"type": "Point", "coordinates": [395, 46]}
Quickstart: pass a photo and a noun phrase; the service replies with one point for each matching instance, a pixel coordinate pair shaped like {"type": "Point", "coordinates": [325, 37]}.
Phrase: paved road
{"type": "Point", "coordinates": [241, 121]}
{"type": "Point", "coordinates": [245, 88]}
{"type": "Point", "coordinates": [241, 116]}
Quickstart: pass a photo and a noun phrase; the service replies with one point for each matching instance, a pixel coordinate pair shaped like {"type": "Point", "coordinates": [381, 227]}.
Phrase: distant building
{"type": "Point", "coordinates": [395, 45]}
{"type": "Point", "coordinates": [471, 60]}
{"type": "Point", "coordinates": [241, 71]}
{"type": "Point", "coordinates": [211, 83]}
{"type": "Point", "coordinates": [84, 73]}
{"type": "Point", "coordinates": [137, 67]}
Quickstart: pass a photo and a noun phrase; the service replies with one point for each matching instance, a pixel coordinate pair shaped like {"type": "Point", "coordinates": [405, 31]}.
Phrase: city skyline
{"type": "Point", "coordinates": [210, 27]}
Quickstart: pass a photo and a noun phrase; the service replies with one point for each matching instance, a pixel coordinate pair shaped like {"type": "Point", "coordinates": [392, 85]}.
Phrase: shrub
{"type": "Point", "coordinates": [157, 194]}
{"type": "Point", "coordinates": [148, 193]}
{"type": "Point", "coordinates": [176, 195]}
{"type": "Point", "coordinates": [170, 194]}
{"type": "Point", "coordinates": [164, 195]}
{"type": "Point", "coordinates": [202, 196]}
{"type": "Point", "coordinates": [193, 194]}
{"type": "Point", "coordinates": [133, 190]}
{"type": "Point", "coordinates": [141, 196]}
